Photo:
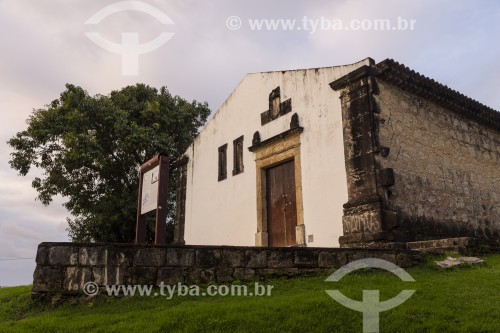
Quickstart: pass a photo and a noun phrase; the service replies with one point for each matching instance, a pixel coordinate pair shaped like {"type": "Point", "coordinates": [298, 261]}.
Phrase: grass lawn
{"type": "Point", "coordinates": [465, 299]}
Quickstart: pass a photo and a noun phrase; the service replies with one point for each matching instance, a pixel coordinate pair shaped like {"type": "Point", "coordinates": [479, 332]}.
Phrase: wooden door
{"type": "Point", "coordinates": [281, 204]}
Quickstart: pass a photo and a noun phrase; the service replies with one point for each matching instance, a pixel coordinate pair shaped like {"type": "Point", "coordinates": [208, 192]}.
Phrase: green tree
{"type": "Point", "coordinates": [90, 147]}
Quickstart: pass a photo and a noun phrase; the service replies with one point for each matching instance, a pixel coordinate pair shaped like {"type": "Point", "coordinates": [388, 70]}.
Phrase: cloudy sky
{"type": "Point", "coordinates": [43, 45]}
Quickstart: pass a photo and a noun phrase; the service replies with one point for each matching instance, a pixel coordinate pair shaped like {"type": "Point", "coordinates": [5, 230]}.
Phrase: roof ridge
{"type": "Point", "coordinates": [312, 68]}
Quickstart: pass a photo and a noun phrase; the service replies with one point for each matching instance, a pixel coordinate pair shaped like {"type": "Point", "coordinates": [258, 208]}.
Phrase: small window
{"type": "Point", "coordinates": [222, 162]}
{"type": "Point", "coordinates": [238, 156]}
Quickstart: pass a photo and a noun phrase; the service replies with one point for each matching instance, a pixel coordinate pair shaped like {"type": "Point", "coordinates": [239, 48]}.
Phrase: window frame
{"type": "Point", "coordinates": [238, 166]}
{"type": "Point", "coordinates": [222, 162]}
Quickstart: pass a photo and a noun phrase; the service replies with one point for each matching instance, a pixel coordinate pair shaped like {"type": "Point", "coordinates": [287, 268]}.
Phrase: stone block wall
{"type": "Point", "coordinates": [422, 160]}
{"type": "Point", "coordinates": [446, 168]}
{"type": "Point", "coordinates": [66, 267]}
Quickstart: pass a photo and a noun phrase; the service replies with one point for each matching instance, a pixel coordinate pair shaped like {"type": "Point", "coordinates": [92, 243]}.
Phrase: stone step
{"type": "Point", "coordinates": [443, 250]}
{"type": "Point", "coordinates": [457, 244]}
{"type": "Point", "coordinates": [444, 242]}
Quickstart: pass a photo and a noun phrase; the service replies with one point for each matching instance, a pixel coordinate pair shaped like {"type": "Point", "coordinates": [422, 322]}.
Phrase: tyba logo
{"type": "Point", "coordinates": [129, 49]}
{"type": "Point", "coordinates": [371, 306]}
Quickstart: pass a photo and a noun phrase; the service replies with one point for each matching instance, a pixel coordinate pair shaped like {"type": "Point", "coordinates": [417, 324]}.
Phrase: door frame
{"type": "Point", "coordinates": [276, 152]}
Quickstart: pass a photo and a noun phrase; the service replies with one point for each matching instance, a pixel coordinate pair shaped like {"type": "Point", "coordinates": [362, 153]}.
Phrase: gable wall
{"type": "Point", "coordinates": [224, 213]}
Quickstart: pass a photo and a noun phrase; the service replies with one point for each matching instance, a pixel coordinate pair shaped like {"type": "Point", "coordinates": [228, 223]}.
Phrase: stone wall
{"type": "Point", "coordinates": [66, 267]}
{"type": "Point", "coordinates": [422, 160]}
{"type": "Point", "coordinates": [446, 168]}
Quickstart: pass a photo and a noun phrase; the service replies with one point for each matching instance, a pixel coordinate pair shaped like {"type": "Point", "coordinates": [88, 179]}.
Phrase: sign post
{"type": "Point", "coordinates": [153, 194]}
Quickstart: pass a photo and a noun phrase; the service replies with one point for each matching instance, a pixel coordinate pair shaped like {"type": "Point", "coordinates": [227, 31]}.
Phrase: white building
{"type": "Point", "coordinates": [286, 190]}
{"type": "Point", "coordinates": [362, 155]}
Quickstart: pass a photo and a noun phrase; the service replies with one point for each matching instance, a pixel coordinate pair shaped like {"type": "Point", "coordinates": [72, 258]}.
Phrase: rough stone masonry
{"type": "Point", "coordinates": [66, 267]}
{"type": "Point", "coordinates": [422, 160]}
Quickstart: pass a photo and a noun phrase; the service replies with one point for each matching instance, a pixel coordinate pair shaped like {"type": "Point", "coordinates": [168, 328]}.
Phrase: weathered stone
{"type": "Point", "coordinates": [93, 256]}
{"type": "Point", "coordinates": [110, 264]}
{"type": "Point", "coordinates": [256, 258]}
{"type": "Point", "coordinates": [387, 256]}
{"type": "Point", "coordinates": [63, 256]}
{"type": "Point", "coordinates": [42, 255]}
{"type": "Point", "coordinates": [449, 262]}
{"type": "Point", "coordinates": [233, 258]}
{"type": "Point", "coordinates": [278, 272]}
{"type": "Point", "coordinates": [244, 273]}
{"type": "Point", "coordinates": [280, 259]}
{"type": "Point", "coordinates": [441, 192]}
{"type": "Point", "coordinates": [108, 275]}
{"type": "Point", "coordinates": [170, 276]}
{"type": "Point", "coordinates": [150, 257]}
{"type": "Point", "coordinates": [207, 258]}
{"type": "Point", "coordinates": [142, 276]}
{"type": "Point", "coordinates": [326, 259]}
{"type": "Point", "coordinates": [47, 279]}
{"type": "Point", "coordinates": [347, 241]}
{"type": "Point", "coordinates": [452, 262]}
{"type": "Point", "coordinates": [310, 271]}
{"type": "Point", "coordinates": [120, 256]}
{"type": "Point", "coordinates": [471, 260]}
{"type": "Point", "coordinates": [224, 275]}
{"type": "Point", "coordinates": [332, 259]}
{"type": "Point", "coordinates": [198, 275]}
{"type": "Point", "coordinates": [404, 260]}
{"type": "Point", "coordinates": [305, 258]}
{"type": "Point", "coordinates": [416, 258]}
{"type": "Point", "coordinates": [300, 234]}
{"type": "Point", "coordinates": [341, 260]}
{"type": "Point", "coordinates": [356, 255]}
{"type": "Point", "coordinates": [180, 257]}
{"type": "Point", "coordinates": [365, 218]}
{"type": "Point", "coordinates": [75, 278]}
{"type": "Point", "coordinates": [446, 243]}
{"type": "Point", "coordinates": [439, 177]}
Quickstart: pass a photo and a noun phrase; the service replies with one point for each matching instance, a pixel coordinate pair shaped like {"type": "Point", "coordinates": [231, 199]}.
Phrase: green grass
{"type": "Point", "coordinates": [463, 299]}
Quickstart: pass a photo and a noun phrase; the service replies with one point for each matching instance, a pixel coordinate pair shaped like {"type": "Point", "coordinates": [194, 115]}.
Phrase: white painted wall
{"type": "Point", "coordinates": [225, 213]}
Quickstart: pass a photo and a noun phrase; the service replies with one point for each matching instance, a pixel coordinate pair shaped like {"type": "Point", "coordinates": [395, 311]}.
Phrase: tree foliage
{"type": "Point", "coordinates": [89, 149]}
